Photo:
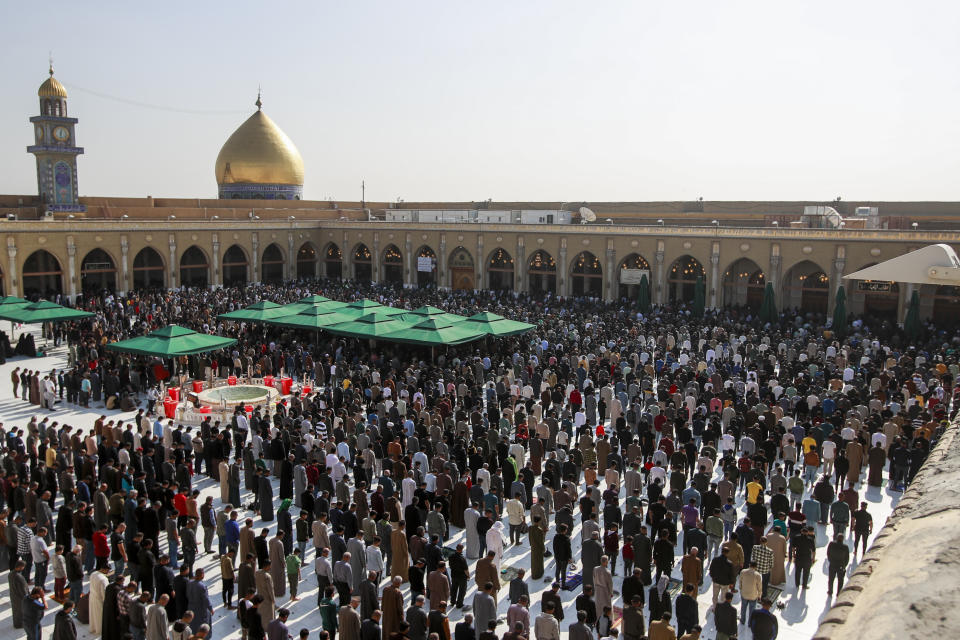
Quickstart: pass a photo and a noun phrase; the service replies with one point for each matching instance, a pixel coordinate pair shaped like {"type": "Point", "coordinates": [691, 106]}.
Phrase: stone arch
{"type": "Point", "coordinates": [362, 263]}
{"type": "Point", "coordinates": [542, 273]}
{"type": "Point", "coordinates": [426, 278]}
{"type": "Point", "coordinates": [392, 265]}
{"type": "Point", "coordinates": [743, 284]}
{"type": "Point", "coordinates": [98, 272]}
{"type": "Point", "coordinates": [876, 299]}
{"type": "Point", "coordinates": [42, 275]}
{"type": "Point", "coordinates": [806, 286]}
{"type": "Point", "coordinates": [500, 270]}
{"type": "Point", "coordinates": [682, 278]}
{"type": "Point", "coordinates": [333, 261]}
{"type": "Point", "coordinates": [946, 305]}
{"type": "Point", "coordinates": [307, 261]}
{"type": "Point", "coordinates": [272, 264]}
{"type": "Point", "coordinates": [194, 267]}
{"type": "Point", "coordinates": [148, 269]}
{"type": "Point", "coordinates": [631, 291]}
{"type": "Point", "coordinates": [462, 269]}
{"type": "Point", "coordinates": [586, 275]}
{"type": "Point", "coordinates": [235, 266]}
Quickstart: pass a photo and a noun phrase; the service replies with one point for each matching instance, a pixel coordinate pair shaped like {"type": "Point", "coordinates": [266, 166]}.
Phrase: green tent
{"type": "Point", "coordinates": [494, 325]}
{"type": "Point", "coordinates": [768, 308]}
{"type": "Point", "coordinates": [430, 313]}
{"type": "Point", "coordinates": [259, 312]}
{"type": "Point", "coordinates": [699, 297]}
{"type": "Point", "coordinates": [313, 318]}
{"type": "Point", "coordinates": [363, 307]}
{"type": "Point", "coordinates": [374, 325]}
{"type": "Point", "coordinates": [840, 313]}
{"type": "Point", "coordinates": [171, 341]}
{"type": "Point", "coordinates": [435, 332]}
{"type": "Point", "coordinates": [911, 324]}
{"type": "Point", "coordinates": [43, 311]}
{"type": "Point", "coordinates": [643, 297]}
{"type": "Point", "coordinates": [12, 301]}
{"type": "Point", "coordinates": [310, 302]}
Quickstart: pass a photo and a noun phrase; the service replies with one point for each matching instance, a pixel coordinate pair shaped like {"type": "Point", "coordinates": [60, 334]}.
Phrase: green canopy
{"type": "Point", "coordinates": [699, 297]}
{"type": "Point", "coordinates": [363, 307]}
{"type": "Point", "coordinates": [12, 300]}
{"type": "Point", "coordinates": [643, 297]}
{"type": "Point", "coordinates": [911, 324]}
{"type": "Point", "coordinates": [315, 318]}
{"type": "Point", "coordinates": [259, 312]}
{"type": "Point", "coordinates": [768, 308]}
{"type": "Point", "coordinates": [840, 313]}
{"type": "Point", "coordinates": [494, 325]}
{"type": "Point", "coordinates": [430, 313]}
{"type": "Point", "coordinates": [312, 301]}
{"type": "Point", "coordinates": [435, 332]}
{"type": "Point", "coordinates": [43, 311]}
{"type": "Point", "coordinates": [373, 325]}
{"type": "Point", "coordinates": [171, 341]}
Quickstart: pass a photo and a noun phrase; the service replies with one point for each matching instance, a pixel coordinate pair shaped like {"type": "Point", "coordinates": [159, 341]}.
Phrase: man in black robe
{"type": "Point", "coordinates": [265, 497]}
{"type": "Point", "coordinates": [163, 582]}
{"type": "Point", "coordinates": [112, 626]}
{"type": "Point", "coordinates": [286, 478]}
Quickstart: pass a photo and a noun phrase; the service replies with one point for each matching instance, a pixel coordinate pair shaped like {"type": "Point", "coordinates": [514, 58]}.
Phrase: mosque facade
{"type": "Point", "coordinates": [259, 229]}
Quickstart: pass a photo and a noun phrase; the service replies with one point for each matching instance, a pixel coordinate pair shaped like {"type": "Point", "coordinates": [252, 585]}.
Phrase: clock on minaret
{"type": "Point", "coordinates": [55, 149]}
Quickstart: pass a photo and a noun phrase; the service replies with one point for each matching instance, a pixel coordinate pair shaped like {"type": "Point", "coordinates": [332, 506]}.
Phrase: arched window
{"type": "Point", "coordinates": [426, 267]}
{"type": "Point", "coordinates": [271, 266]}
{"type": "Point", "coordinates": [631, 272]}
{"type": "Point", "coordinates": [500, 270]}
{"type": "Point", "coordinates": [235, 265]}
{"type": "Point", "coordinates": [806, 286]}
{"type": "Point", "coordinates": [333, 262]}
{"type": "Point", "coordinates": [586, 275]}
{"type": "Point", "coordinates": [392, 265]}
{"type": "Point", "coordinates": [194, 268]}
{"type": "Point", "coordinates": [98, 273]}
{"type": "Point", "coordinates": [362, 264]}
{"type": "Point", "coordinates": [148, 269]}
{"type": "Point", "coordinates": [461, 270]}
{"type": "Point", "coordinates": [42, 276]}
{"type": "Point", "coordinates": [743, 285]}
{"type": "Point", "coordinates": [307, 262]}
{"type": "Point", "coordinates": [542, 272]}
{"type": "Point", "coordinates": [682, 279]}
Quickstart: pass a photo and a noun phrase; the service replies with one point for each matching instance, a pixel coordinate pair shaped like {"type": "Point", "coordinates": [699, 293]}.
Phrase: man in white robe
{"type": "Point", "coordinates": [409, 487]}
{"type": "Point", "coordinates": [98, 588]}
{"type": "Point", "coordinates": [495, 542]}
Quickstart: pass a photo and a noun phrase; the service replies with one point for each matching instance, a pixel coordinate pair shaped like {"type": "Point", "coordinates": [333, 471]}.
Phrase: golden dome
{"type": "Point", "coordinates": [258, 152]}
{"type": "Point", "coordinates": [51, 88]}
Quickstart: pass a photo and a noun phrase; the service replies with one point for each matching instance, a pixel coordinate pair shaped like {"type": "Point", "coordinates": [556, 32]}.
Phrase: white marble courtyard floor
{"type": "Point", "coordinates": [799, 616]}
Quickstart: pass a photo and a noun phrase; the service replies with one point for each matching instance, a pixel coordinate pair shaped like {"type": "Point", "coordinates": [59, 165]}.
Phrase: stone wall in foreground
{"type": "Point", "coordinates": [908, 583]}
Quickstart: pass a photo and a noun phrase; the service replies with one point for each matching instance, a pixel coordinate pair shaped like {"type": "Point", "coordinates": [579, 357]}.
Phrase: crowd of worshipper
{"type": "Point", "coordinates": [702, 455]}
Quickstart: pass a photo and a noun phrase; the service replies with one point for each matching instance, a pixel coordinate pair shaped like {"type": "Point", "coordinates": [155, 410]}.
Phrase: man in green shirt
{"type": "Point", "coordinates": [293, 574]}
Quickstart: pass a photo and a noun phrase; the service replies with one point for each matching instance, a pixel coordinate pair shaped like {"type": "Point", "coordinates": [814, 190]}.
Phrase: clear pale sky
{"type": "Point", "coordinates": [545, 100]}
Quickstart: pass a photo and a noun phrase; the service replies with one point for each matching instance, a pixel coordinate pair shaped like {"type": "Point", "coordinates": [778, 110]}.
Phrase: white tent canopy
{"type": "Point", "coordinates": [936, 264]}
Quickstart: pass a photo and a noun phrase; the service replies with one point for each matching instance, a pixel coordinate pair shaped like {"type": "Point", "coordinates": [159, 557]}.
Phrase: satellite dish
{"type": "Point", "coordinates": [587, 215]}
